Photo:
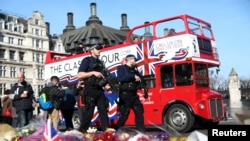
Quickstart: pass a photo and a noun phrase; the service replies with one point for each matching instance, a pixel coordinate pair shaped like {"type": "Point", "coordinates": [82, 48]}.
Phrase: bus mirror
{"type": "Point", "coordinates": [217, 70]}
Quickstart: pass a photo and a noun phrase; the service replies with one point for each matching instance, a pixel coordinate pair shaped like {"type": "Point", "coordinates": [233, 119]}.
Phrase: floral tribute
{"type": "Point", "coordinates": [36, 132]}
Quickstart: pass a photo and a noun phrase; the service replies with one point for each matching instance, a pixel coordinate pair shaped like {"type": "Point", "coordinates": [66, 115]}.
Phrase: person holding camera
{"type": "Point", "coordinates": [90, 71]}
{"type": "Point", "coordinates": [130, 81]}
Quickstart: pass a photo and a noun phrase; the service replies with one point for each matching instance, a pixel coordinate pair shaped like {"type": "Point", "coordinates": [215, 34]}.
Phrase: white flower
{"type": "Point", "coordinates": [25, 130]}
{"type": "Point", "coordinates": [91, 130]}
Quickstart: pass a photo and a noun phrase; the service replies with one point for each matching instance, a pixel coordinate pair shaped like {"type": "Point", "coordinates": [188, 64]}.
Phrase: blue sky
{"type": "Point", "coordinates": [230, 20]}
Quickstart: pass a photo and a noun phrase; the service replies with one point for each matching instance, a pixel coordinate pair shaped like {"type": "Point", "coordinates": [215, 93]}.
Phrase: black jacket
{"type": "Point", "coordinates": [69, 100]}
{"type": "Point", "coordinates": [55, 95]}
{"type": "Point", "coordinates": [22, 103]}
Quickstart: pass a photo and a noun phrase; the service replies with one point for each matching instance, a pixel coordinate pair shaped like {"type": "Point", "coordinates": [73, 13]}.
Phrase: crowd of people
{"type": "Point", "coordinates": [18, 103]}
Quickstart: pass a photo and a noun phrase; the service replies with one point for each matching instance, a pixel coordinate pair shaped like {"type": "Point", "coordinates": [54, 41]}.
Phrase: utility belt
{"type": "Point", "coordinates": [128, 87]}
{"type": "Point", "coordinates": [94, 82]}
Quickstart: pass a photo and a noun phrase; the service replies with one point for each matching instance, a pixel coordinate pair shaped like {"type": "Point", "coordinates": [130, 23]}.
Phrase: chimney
{"type": "Point", "coordinates": [70, 19]}
{"type": "Point", "coordinates": [124, 26]}
{"type": "Point", "coordinates": [70, 25]}
{"type": "Point", "coordinates": [47, 28]}
{"type": "Point", "coordinates": [93, 16]}
{"type": "Point", "coordinates": [147, 29]}
{"type": "Point", "coordinates": [93, 9]}
{"type": "Point", "coordinates": [147, 35]}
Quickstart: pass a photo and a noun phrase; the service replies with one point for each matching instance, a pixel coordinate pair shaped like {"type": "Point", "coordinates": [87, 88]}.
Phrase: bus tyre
{"type": "Point", "coordinates": [76, 120]}
{"type": "Point", "coordinates": [180, 118]}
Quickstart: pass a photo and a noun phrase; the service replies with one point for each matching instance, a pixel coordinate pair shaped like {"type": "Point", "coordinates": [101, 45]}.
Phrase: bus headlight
{"type": "Point", "coordinates": [202, 106]}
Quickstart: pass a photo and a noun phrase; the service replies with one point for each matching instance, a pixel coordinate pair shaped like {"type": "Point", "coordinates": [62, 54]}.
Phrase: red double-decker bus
{"type": "Point", "coordinates": [174, 56]}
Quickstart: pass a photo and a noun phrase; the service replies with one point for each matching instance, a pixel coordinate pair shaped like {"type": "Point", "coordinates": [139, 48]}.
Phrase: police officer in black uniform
{"type": "Point", "coordinates": [90, 71]}
{"type": "Point", "coordinates": [130, 80]}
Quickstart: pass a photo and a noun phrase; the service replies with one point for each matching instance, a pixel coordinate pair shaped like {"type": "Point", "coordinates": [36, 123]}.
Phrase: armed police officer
{"type": "Point", "coordinates": [130, 80]}
{"type": "Point", "coordinates": [90, 71]}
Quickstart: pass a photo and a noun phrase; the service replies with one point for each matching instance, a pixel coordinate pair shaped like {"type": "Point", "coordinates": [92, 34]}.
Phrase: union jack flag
{"type": "Point", "coordinates": [112, 108]}
{"type": "Point", "coordinates": [50, 133]}
{"type": "Point", "coordinates": [147, 59]}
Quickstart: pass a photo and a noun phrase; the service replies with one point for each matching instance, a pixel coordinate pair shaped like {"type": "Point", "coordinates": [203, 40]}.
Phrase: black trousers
{"type": "Point", "coordinates": [95, 98]}
{"type": "Point", "coordinates": [7, 120]}
{"type": "Point", "coordinates": [68, 114]}
{"type": "Point", "coordinates": [81, 111]}
{"type": "Point", "coordinates": [131, 101]}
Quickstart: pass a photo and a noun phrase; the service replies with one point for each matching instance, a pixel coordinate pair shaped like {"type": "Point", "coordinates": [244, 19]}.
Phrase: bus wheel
{"type": "Point", "coordinates": [180, 118]}
{"type": "Point", "coordinates": [76, 120]}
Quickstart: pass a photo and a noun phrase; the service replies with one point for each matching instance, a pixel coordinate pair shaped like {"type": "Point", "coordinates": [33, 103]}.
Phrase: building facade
{"type": "Point", "coordinates": [23, 45]}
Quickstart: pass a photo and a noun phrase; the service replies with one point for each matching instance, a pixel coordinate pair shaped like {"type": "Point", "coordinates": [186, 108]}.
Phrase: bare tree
{"type": "Point", "coordinates": [245, 82]}
{"type": "Point", "coordinates": [217, 81]}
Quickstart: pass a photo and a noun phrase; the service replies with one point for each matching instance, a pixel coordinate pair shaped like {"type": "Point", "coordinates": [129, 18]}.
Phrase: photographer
{"type": "Point", "coordinates": [90, 71]}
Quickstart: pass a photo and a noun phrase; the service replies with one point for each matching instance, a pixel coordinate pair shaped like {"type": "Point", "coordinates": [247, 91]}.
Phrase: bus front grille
{"type": "Point", "coordinates": [216, 107]}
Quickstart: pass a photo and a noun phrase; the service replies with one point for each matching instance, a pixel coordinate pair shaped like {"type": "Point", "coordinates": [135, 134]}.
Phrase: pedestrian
{"type": "Point", "coordinates": [79, 92]}
{"type": "Point", "coordinates": [15, 121]}
{"type": "Point", "coordinates": [80, 48]}
{"type": "Point", "coordinates": [68, 105]}
{"type": "Point", "coordinates": [135, 39]}
{"type": "Point", "coordinates": [130, 80]}
{"type": "Point", "coordinates": [90, 71]}
{"type": "Point", "coordinates": [55, 96]}
{"type": "Point", "coordinates": [6, 111]}
{"type": "Point", "coordinates": [22, 96]}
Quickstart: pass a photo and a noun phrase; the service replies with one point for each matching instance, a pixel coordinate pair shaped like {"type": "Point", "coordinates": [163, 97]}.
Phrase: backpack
{"type": "Point", "coordinates": [44, 102]}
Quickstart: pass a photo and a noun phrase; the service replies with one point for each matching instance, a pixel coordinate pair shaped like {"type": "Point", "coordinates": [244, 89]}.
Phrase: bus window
{"type": "Point", "coordinates": [167, 77]}
{"type": "Point", "coordinates": [169, 28]}
{"type": "Point", "coordinates": [199, 28]}
{"type": "Point", "coordinates": [201, 75]}
{"type": "Point", "coordinates": [143, 34]}
{"type": "Point", "coordinates": [183, 74]}
{"type": "Point", "coordinates": [150, 81]}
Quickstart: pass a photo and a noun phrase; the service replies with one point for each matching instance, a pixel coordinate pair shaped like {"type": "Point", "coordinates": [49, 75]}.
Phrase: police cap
{"type": "Point", "coordinates": [130, 56]}
{"type": "Point", "coordinates": [95, 46]}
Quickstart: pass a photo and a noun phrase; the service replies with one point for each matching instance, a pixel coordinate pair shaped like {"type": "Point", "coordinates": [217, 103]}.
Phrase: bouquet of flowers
{"type": "Point", "coordinates": [26, 131]}
{"type": "Point", "coordinates": [34, 129]}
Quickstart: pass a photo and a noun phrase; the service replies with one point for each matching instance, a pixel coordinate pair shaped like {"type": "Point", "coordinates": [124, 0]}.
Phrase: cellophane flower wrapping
{"type": "Point", "coordinates": [33, 131]}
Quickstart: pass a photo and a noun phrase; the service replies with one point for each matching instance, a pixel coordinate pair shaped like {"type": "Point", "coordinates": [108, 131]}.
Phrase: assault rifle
{"type": "Point", "coordinates": [111, 81]}
{"type": "Point", "coordinates": [142, 83]}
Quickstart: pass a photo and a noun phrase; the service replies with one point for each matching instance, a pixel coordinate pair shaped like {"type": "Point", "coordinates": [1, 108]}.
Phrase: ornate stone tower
{"type": "Point", "coordinates": [234, 85]}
